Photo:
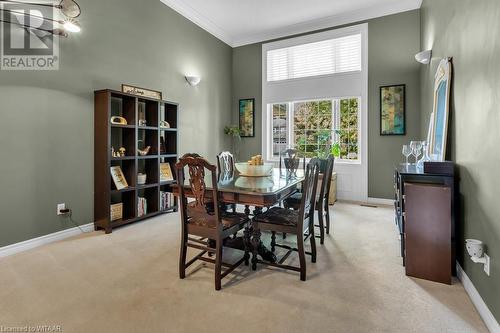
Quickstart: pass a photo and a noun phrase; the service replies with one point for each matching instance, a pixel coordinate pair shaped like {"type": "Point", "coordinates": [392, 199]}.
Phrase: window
{"type": "Point", "coordinates": [325, 57]}
{"type": "Point", "coordinates": [317, 128]}
{"type": "Point", "coordinates": [280, 126]}
{"type": "Point", "coordinates": [314, 93]}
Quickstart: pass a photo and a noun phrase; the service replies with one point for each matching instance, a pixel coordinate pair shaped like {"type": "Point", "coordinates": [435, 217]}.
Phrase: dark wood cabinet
{"type": "Point", "coordinates": [146, 125]}
{"type": "Point", "coordinates": [428, 231]}
{"type": "Point", "coordinates": [432, 220]}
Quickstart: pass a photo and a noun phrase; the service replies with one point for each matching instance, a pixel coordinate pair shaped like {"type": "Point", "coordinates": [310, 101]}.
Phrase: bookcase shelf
{"type": "Point", "coordinates": [133, 137]}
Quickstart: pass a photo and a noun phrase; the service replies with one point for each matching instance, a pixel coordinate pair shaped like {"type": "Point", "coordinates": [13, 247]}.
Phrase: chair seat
{"type": "Point", "coordinates": [294, 201]}
{"type": "Point", "coordinates": [204, 219]}
{"type": "Point", "coordinates": [278, 215]}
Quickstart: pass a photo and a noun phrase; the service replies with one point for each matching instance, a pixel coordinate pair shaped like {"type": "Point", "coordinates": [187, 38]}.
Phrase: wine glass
{"type": "Point", "coordinates": [407, 152]}
{"type": "Point", "coordinates": [416, 149]}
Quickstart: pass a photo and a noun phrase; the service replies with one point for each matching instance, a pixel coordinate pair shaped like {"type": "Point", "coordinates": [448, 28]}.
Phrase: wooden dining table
{"type": "Point", "coordinates": [256, 192]}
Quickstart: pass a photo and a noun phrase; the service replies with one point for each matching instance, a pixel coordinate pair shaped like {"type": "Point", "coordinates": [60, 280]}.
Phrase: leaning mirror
{"type": "Point", "coordinates": [439, 125]}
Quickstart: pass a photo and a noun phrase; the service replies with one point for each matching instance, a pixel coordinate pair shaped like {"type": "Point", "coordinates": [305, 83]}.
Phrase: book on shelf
{"type": "Point", "coordinates": [165, 172]}
{"type": "Point", "coordinates": [118, 178]}
{"type": "Point", "coordinates": [166, 200]}
{"type": "Point", "coordinates": [142, 206]}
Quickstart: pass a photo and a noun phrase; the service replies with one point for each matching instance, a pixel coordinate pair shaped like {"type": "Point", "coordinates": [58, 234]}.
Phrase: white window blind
{"type": "Point", "coordinates": [325, 57]}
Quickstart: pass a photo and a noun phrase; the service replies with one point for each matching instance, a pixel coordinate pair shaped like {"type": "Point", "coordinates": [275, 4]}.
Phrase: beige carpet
{"type": "Point", "coordinates": [128, 282]}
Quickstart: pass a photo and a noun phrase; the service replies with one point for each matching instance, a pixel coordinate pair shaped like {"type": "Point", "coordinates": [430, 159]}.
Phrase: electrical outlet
{"type": "Point", "coordinates": [60, 207]}
{"type": "Point", "coordinates": [487, 265]}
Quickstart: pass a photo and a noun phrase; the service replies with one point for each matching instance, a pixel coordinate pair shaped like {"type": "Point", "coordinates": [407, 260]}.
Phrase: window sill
{"type": "Point", "coordinates": [337, 161]}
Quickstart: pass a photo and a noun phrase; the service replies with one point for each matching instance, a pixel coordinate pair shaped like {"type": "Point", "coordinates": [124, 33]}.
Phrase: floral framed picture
{"type": "Point", "coordinates": [247, 117]}
{"type": "Point", "coordinates": [393, 110]}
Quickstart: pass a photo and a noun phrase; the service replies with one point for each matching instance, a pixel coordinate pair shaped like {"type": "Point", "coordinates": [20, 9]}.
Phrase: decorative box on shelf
{"type": "Point", "coordinates": [116, 211]}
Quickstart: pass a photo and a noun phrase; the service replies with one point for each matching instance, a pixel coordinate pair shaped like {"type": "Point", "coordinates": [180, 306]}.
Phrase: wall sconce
{"type": "Point", "coordinates": [193, 80]}
{"type": "Point", "coordinates": [476, 251]}
{"type": "Point", "coordinates": [424, 57]}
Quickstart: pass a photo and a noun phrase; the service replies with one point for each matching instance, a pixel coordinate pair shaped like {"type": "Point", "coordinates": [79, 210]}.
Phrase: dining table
{"type": "Point", "coordinates": [253, 192]}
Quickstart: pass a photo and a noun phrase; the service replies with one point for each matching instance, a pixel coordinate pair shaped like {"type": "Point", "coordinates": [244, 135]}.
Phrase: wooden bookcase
{"type": "Point", "coordinates": [132, 137]}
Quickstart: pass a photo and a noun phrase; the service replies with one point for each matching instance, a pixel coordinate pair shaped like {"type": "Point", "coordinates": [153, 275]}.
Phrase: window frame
{"type": "Point", "coordinates": [290, 132]}
{"type": "Point", "coordinates": [335, 85]}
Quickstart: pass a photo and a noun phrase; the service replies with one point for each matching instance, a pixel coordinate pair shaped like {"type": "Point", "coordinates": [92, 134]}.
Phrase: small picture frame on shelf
{"type": "Point", "coordinates": [165, 172]}
{"type": "Point", "coordinates": [142, 92]}
{"type": "Point", "coordinates": [118, 177]}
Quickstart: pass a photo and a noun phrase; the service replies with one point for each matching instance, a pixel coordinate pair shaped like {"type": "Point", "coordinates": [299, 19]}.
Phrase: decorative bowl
{"type": "Point", "coordinates": [254, 170]}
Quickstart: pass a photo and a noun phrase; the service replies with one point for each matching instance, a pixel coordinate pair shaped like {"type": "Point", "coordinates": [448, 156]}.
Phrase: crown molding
{"type": "Point", "coordinates": [394, 7]}
{"type": "Point", "coordinates": [199, 19]}
{"type": "Point", "coordinates": [329, 22]}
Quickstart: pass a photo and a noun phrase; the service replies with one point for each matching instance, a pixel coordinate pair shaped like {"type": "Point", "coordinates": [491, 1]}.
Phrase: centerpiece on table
{"type": "Point", "coordinates": [255, 167]}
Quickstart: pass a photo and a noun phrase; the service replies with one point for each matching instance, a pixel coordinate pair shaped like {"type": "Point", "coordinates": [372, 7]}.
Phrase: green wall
{"type": "Point", "coordinates": [46, 130]}
{"type": "Point", "coordinates": [469, 31]}
{"type": "Point", "coordinates": [393, 42]}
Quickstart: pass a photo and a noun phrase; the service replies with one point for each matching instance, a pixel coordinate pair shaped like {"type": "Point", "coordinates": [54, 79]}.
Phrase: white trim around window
{"type": "Point", "coordinates": [352, 175]}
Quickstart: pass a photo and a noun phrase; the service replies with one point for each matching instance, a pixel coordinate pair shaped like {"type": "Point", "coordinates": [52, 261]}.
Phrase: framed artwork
{"type": "Point", "coordinates": [165, 172]}
{"type": "Point", "coordinates": [118, 178]}
{"type": "Point", "coordinates": [393, 110]}
{"type": "Point", "coordinates": [439, 122]}
{"type": "Point", "coordinates": [247, 117]}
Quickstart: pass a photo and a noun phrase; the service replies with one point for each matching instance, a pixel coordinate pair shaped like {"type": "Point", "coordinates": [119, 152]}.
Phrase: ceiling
{"type": "Point", "coordinates": [238, 22]}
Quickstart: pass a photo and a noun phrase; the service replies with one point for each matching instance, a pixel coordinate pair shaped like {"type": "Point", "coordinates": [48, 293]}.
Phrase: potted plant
{"type": "Point", "coordinates": [234, 133]}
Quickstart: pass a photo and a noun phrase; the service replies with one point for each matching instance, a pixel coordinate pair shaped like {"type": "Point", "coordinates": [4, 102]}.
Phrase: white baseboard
{"type": "Point", "coordinates": [39, 241]}
{"type": "Point", "coordinates": [478, 302]}
{"type": "Point", "coordinates": [380, 201]}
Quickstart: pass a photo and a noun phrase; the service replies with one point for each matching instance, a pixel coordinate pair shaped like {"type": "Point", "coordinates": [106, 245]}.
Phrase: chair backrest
{"type": "Point", "coordinates": [291, 160]}
{"type": "Point", "coordinates": [309, 188]}
{"type": "Point", "coordinates": [225, 162]}
{"type": "Point", "coordinates": [198, 209]}
{"type": "Point", "coordinates": [324, 192]}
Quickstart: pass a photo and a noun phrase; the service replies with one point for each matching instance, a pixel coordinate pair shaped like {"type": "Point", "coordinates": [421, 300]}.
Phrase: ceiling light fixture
{"type": "Point", "coordinates": [68, 7]}
{"type": "Point", "coordinates": [193, 80]}
{"type": "Point", "coordinates": [57, 32]}
{"type": "Point", "coordinates": [72, 26]}
{"type": "Point", "coordinates": [69, 25]}
{"type": "Point", "coordinates": [424, 57]}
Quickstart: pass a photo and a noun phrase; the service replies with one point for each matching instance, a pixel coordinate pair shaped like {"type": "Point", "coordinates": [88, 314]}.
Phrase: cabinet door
{"type": "Point", "coordinates": [428, 232]}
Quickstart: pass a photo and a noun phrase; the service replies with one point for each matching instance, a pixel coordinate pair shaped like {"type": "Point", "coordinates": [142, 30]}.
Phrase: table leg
{"type": "Point", "coordinates": [247, 232]}
{"type": "Point", "coordinates": [255, 246]}
{"type": "Point", "coordinates": [257, 210]}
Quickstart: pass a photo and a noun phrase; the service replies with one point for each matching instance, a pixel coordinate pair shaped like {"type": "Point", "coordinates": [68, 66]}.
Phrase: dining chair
{"type": "Point", "coordinates": [225, 162]}
{"type": "Point", "coordinates": [291, 161]}
{"type": "Point", "coordinates": [225, 165]}
{"type": "Point", "coordinates": [297, 222]}
{"type": "Point", "coordinates": [322, 205]}
{"type": "Point", "coordinates": [202, 219]}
